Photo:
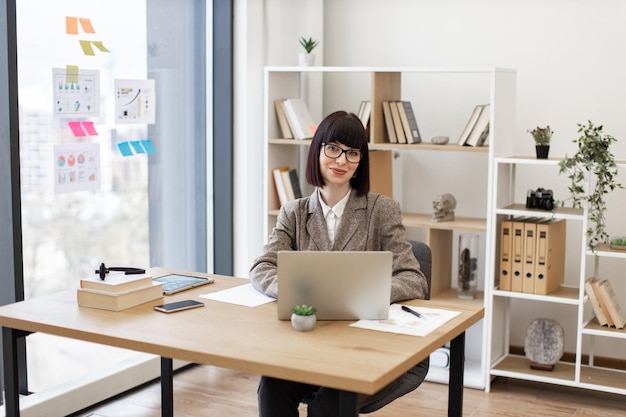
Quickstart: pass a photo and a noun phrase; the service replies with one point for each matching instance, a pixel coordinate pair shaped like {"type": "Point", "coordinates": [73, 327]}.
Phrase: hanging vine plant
{"type": "Point", "coordinates": [594, 160]}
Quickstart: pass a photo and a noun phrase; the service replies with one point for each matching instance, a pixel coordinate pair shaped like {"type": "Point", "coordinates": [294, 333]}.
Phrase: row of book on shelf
{"type": "Point", "coordinates": [118, 291]}
{"type": "Point", "coordinates": [400, 122]}
{"type": "Point", "coordinates": [532, 255]}
{"type": "Point", "coordinates": [476, 130]}
{"type": "Point", "coordinates": [287, 184]}
{"type": "Point", "coordinates": [294, 118]}
{"type": "Point", "coordinates": [604, 303]}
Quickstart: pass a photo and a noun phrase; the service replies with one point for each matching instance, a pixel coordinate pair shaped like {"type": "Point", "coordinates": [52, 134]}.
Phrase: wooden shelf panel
{"type": "Point", "coordinates": [600, 378]}
{"type": "Point", "coordinates": [424, 146]}
{"type": "Point", "coordinates": [559, 213]}
{"type": "Point", "coordinates": [593, 328]}
{"type": "Point", "coordinates": [605, 250]}
{"type": "Point", "coordinates": [427, 146]}
{"type": "Point", "coordinates": [459, 223]}
{"type": "Point", "coordinates": [518, 367]}
{"type": "Point", "coordinates": [562, 295]}
{"type": "Point", "coordinates": [450, 296]}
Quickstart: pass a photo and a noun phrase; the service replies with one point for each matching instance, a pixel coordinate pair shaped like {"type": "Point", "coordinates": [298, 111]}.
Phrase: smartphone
{"type": "Point", "coordinates": [178, 306]}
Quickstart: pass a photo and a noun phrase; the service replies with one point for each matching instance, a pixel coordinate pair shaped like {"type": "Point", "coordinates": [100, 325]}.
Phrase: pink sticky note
{"type": "Point", "coordinates": [77, 129]}
{"type": "Point", "coordinates": [88, 126]}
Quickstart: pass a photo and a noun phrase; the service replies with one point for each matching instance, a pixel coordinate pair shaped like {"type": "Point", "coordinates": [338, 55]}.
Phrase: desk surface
{"type": "Point", "coordinates": [246, 339]}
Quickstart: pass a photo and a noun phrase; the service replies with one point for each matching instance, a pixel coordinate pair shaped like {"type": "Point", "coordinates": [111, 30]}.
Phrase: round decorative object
{"type": "Point", "coordinates": [303, 323]}
{"type": "Point", "coordinates": [544, 343]}
{"type": "Point", "coordinates": [440, 140]}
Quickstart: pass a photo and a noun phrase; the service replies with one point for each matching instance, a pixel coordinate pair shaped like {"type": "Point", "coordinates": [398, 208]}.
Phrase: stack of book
{"type": "Point", "coordinates": [604, 302]}
{"type": "Point", "coordinates": [294, 119]}
{"type": "Point", "coordinates": [532, 255]}
{"type": "Point", "coordinates": [476, 130]}
{"type": "Point", "coordinates": [118, 291]}
{"type": "Point", "coordinates": [365, 111]}
{"type": "Point", "coordinates": [400, 122]}
{"type": "Point", "coordinates": [287, 184]}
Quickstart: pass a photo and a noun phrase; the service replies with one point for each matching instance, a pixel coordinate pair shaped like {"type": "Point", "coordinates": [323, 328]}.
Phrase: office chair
{"type": "Point", "coordinates": [424, 256]}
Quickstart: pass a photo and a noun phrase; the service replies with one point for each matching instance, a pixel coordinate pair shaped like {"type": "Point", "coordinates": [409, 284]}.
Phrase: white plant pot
{"type": "Point", "coordinates": [303, 323]}
{"type": "Point", "coordinates": [307, 60]}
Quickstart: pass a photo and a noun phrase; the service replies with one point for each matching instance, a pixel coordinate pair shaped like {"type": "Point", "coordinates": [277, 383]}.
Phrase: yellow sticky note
{"type": "Point", "coordinates": [100, 46]}
{"type": "Point", "coordinates": [87, 49]}
{"type": "Point", "coordinates": [71, 74]}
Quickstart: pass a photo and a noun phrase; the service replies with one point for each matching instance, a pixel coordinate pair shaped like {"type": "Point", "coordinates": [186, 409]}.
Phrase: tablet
{"type": "Point", "coordinates": [174, 283]}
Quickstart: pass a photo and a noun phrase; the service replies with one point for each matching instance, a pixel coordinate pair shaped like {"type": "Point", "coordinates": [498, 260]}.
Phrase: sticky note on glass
{"type": "Point", "coordinates": [125, 148]}
{"type": "Point", "coordinates": [77, 129]}
{"type": "Point", "coordinates": [147, 145]}
{"type": "Point", "coordinates": [137, 146]}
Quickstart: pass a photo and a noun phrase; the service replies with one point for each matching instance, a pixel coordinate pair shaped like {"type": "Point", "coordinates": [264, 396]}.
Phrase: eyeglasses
{"type": "Point", "coordinates": [334, 151]}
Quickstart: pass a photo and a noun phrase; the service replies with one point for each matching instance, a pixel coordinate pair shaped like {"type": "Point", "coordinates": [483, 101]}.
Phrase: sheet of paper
{"type": "Point", "coordinates": [76, 92]}
{"type": "Point", "coordinates": [76, 167]}
{"type": "Point", "coordinates": [244, 295]}
{"type": "Point", "coordinates": [406, 323]}
{"type": "Point", "coordinates": [135, 101]}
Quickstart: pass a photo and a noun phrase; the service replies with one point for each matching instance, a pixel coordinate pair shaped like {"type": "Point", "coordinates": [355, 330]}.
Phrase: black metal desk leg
{"type": "Point", "coordinates": [167, 387]}
{"type": "Point", "coordinates": [347, 404]}
{"type": "Point", "coordinates": [11, 382]}
{"type": "Point", "coordinates": [455, 384]}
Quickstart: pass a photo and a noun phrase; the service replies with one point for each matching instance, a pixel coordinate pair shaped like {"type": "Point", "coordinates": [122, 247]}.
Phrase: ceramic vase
{"type": "Point", "coordinates": [303, 323]}
{"type": "Point", "coordinates": [307, 60]}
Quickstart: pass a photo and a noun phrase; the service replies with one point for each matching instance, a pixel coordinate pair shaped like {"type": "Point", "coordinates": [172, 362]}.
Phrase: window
{"type": "Point", "coordinates": [150, 208]}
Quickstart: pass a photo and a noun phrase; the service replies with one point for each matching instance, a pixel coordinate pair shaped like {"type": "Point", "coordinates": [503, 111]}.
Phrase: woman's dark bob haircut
{"type": "Point", "coordinates": [347, 129]}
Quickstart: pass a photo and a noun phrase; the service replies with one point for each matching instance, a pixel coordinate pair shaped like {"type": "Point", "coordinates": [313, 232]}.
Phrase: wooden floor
{"type": "Point", "coordinates": [205, 391]}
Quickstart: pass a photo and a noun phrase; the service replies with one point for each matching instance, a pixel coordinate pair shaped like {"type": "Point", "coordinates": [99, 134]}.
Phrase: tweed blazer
{"type": "Point", "coordinates": [371, 222]}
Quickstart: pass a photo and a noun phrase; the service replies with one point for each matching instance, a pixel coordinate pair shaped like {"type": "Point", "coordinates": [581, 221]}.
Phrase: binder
{"type": "Point", "coordinates": [528, 268]}
{"type": "Point", "coordinates": [506, 242]}
{"type": "Point", "coordinates": [517, 259]}
{"type": "Point", "coordinates": [550, 256]}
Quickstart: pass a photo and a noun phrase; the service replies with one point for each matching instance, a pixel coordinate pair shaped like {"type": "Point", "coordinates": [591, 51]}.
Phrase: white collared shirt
{"type": "Point", "coordinates": [333, 214]}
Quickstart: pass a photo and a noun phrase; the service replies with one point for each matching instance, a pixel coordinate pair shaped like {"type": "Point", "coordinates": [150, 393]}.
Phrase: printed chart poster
{"type": "Point", "coordinates": [135, 101]}
{"type": "Point", "coordinates": [76, 92]}
{"type": "Point", "coordinates": [76, 167]}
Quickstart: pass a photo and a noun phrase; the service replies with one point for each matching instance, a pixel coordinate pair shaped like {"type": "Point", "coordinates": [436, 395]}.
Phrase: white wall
{"type": "Point", "coordinates": [569, 56]}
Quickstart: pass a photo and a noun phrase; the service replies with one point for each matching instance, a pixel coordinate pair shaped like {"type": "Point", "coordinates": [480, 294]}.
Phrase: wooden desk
{"type": "Point", "coordinates": [245, 339]}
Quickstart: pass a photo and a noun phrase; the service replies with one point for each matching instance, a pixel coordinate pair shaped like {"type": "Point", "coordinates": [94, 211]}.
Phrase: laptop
{"type": "Point", "coordinates": [341, 285]}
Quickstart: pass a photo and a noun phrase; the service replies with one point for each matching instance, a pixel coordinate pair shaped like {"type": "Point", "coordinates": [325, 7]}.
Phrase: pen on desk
{"type": "Point", "coordinates": [411, 311]}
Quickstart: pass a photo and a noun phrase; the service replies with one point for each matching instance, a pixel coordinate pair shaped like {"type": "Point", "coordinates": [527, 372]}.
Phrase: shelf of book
{"type": "Point", "coordinates": [562, 295]}
{"type": "Point", "coordinates": [428, 90]}
{"type": "Point", "coordinates": [593, 328]}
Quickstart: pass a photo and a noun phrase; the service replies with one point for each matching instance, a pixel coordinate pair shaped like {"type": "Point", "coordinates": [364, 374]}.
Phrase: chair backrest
{"type": "Point", "coordinates": [424, 256]}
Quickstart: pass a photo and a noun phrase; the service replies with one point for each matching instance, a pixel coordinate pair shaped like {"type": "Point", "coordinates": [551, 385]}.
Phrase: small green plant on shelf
{"type": "Point", "coordinates": [308, 44]}
{"type": "Point", "coordinates": [541, 135]}
{"type": "Point", "coordinates": [593, 158]}
{"type": "Point", "coordinates": [304, 310]}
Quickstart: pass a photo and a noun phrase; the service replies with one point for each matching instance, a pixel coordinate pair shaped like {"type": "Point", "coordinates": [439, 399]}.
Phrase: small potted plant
{"type": "Point", "coordinates": [542, 136]}
{"type": "Point", "coordinates": [308, 58]}
{"type": "Point", "coordinates": [593, 162]}
{"type": "Point", "coordinates": [303, 317]}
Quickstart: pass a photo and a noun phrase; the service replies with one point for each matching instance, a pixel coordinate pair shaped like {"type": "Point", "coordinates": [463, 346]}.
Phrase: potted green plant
{"type": "Point", "coordinates": [308, 58]}
{"type": "Point", "coordinates": [542, 137]}
{"type": "Point", "coordinates": [303, 317]}
{"type": "Point", "coordinates": [592, 159]}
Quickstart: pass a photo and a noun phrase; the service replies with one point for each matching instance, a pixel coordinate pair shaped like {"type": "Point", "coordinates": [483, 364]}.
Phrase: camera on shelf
{"type": "Point", "coordinates": [540, 199]}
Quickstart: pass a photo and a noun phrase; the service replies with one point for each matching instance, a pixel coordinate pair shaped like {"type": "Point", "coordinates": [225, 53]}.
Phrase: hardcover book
{"type": "Point", "coordinates": [300, 121]}
{"type": "Point", "coordinates": [120, 301]}
{"type": "Point", "coordinates": [116, 282]}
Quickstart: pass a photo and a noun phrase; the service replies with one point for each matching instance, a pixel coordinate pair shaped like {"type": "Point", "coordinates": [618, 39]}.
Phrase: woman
{"type": "Point", "coordinates": [341, 214]}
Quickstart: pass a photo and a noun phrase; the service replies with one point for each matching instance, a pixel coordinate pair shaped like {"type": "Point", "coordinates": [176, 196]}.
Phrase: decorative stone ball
{"type": "Point", "coordinates": [544, 343]}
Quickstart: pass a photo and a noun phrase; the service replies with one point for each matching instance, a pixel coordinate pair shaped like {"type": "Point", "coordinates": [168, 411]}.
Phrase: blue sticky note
{"type": "Point", "coordinates": [137, 146]}
{"type": "Point", "coordinates": [147, 145]}
{"type": "Point", "coordinates": [125, 149]}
